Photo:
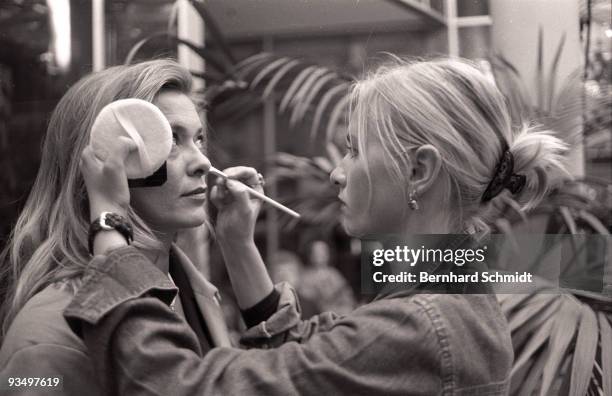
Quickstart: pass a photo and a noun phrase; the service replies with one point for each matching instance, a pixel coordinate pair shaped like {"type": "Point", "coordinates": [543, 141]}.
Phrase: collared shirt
{"type": "Point", "coordinates": [402, 344]}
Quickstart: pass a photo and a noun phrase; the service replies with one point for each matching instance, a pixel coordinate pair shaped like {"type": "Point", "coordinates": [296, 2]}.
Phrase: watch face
{"type": "Point", "coordinates": [103, 221]}
{"type": "Point", "coordinates": [110, 221]}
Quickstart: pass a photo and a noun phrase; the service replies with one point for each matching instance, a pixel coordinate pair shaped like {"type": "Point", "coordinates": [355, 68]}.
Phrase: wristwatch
{"type": "Point", "coordinates": [110, 221]}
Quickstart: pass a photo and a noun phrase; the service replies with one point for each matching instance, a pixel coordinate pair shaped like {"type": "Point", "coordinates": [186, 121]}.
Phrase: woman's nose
{"type": "Point", "coordinates": [338, 176]}
{"type": "Point", "coordinates": [199, 164]}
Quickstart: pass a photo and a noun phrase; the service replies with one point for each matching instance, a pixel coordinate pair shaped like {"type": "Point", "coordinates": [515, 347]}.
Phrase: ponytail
{"type": "Point", "coordinates": [538, 155]}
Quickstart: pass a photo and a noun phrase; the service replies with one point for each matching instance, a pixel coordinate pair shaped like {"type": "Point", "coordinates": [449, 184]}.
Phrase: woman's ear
{"type": "Point", "coordinates": [426, 168]}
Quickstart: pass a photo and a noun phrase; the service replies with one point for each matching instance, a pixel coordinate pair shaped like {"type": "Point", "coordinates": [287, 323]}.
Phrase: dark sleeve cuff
{"type": "Point", "coordinates": [110, 280]}
{"type": "Point", "coordinates": [261, 311]}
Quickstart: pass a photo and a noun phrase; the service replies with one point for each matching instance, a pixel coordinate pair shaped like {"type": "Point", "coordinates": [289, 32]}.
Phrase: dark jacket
{"type": "Point", "coordinates": [402, 344]}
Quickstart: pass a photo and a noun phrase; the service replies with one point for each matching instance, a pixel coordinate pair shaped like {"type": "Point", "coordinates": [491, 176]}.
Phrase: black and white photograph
{"type": "Point", "coordinates": [306, 197]}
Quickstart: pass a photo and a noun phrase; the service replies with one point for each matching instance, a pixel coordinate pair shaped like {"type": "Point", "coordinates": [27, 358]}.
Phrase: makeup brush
{"type": "Point", "coordinates": [259, 195]}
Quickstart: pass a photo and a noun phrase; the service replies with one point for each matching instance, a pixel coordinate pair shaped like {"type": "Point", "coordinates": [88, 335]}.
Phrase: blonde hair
{"type": "Point", "coordinates": [453, 106]}
{"type": "Point", "coordinates": [49, 241]}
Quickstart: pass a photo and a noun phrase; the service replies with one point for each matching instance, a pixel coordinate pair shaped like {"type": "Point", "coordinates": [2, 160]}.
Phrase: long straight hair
{"type": "Point", "coordinates": [49, 241]}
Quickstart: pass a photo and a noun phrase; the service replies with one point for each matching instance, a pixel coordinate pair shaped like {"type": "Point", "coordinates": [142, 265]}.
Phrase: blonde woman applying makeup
{"type": "Point", "coordinates": [430, 146]}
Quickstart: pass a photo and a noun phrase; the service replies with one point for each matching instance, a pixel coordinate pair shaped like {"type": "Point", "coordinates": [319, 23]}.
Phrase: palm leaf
{"type": "Point", "coordinates": [534, 343]}
{"type": "Point", "coordinates": [510, 301]}
{"type": "Point", "coordinates": [522, 333]}
{"type": "Point", "coordinates": [593, 221]}
{"type": "Point", "coordinates": [556, 346]}
{"type": "Point", "coordinates": [606, 352]}
{"type": "Point", "coordinates": [529, 311]}
{"type": "Point", "coordinates": [278, 76]}
{"type": "Point", "coordinates": [506, 64]}
{"type": "Point", "coordinates": [558, 112]}
{"type": "Point", "coordinates": [513, 87]}
{"type": "Point", "coordinates": [324, 164]}
{"type": "Point", "coordinates": [584, 353]}
{"type": "Point", "coordinates": [322, 106]}
{"type": "Point", "coordinates": [317, 203]}
{"type": "Point", "coordinates": [267, 70]}
{"type": "Point", "coordinates": [314, 90]}
{"type": "Point", "coordinates": [293, 88]}
{"type": "Point", "coordinates": [338, 110]}
{"type": "Point", "coordinates": [333, 153]}
{"type": "Point", "coordinates": [246, 66]}
{"type": "Point", "coordinates": [569, 97]}
{"type": "Point", "coordinates": [298, 83]}
{"type": "Point", "coordinates": [540, 70]}
{"type": "Point", "coordinates": [561, 336]}
{"type": "Point", "coordinates": [300, 96]}
{"type": "Point", "coordinates": [533, 376]}
{"type": "Point", "coordinates": [569, 220]}
{"type": "Point", "coordinates": [552, 76]}
{"type": "Point", "coordinates": [504, 225]}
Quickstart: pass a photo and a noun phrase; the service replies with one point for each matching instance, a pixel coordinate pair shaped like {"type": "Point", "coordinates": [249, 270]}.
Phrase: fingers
{"type": "Point", "coordinates": [234, 190]}
{"type": "Point", "coordinates": [115, 157]}
{"type": "Point", "coordinates": [224, 192]}
{"type": "Point", "coordinates": [245, 174]}
{"type": "Point", "coordinates": [218, 196]}
{"type": "Point", "coordinates": [105, 179]}
{"type": "Point", "coordinates": [238, 190]}
{"type": "Point", "coordinates": [88, 159]}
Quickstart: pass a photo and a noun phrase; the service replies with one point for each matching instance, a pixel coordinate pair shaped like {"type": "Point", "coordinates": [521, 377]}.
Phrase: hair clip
{"type": "Point", "coordinates": [504, 178]}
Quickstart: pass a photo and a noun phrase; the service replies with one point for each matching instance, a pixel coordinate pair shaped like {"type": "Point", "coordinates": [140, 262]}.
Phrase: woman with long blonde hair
{"type": "Point", "coordinates": [49, 241]}
{"type": "Point", "coordinates": [47, 255]}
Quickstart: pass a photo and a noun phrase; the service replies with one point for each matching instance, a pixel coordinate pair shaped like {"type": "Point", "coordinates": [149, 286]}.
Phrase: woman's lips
{"type": "Point", "coordinates": [197, 196]}
{"type": "Point", "coordinates": [199, 193]}
{"type": "Point", "coordinates": [343, 207]}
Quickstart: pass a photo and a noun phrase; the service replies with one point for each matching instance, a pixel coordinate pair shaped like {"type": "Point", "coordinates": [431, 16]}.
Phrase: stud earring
{"type": "Point", "coordinates": [412, 202]}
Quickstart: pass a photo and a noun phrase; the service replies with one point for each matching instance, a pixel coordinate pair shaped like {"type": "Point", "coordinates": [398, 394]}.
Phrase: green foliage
{"type": "Point", "coordinates": [562, 344]}
{"type": "Point", "coordinates": [315, 199]}
{"type": "Point", "coordinates": [300, 88]}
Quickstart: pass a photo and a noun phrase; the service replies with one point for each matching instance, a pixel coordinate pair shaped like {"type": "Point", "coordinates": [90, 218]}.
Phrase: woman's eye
{"type": "Point", "coordinates": [351, 151]}
{"type": "Point", "coordinates": [174, 139]}
{"type": "Point", "coordinates": [201, 142]}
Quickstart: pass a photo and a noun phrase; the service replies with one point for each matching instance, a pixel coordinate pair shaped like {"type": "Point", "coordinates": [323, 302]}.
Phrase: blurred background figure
{"type": "Point", "coordinates": [285, 266]}
{"type": "Point", "coordinates": [321, 287]}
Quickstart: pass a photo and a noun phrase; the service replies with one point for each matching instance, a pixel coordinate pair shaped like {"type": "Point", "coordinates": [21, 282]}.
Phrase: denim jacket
{"type": "Point", "coordinates": [402, 344]}
{"type": "Point", "coordinates": [40, 343]}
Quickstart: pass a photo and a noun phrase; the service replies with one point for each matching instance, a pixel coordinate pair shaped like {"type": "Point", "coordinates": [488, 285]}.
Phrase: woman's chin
{"type": "Point", "coordinates": [197, 221]}
{"type": "Point", "coordinates": [194, 220]}
{"type": "Point", "coordinates": [349, 228]}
